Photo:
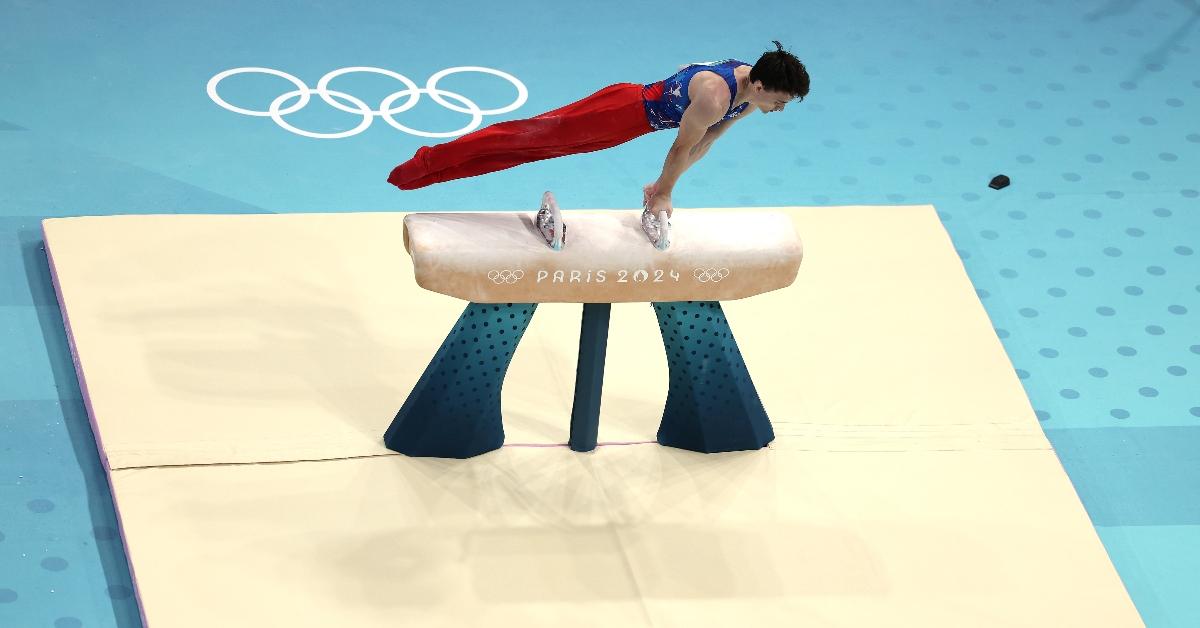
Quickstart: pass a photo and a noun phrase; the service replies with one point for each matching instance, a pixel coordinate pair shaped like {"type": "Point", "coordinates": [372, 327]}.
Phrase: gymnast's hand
{"type": "Point", "coordinates": [647, 192]}
{"type": "Point", "coordinates": [660, 202]}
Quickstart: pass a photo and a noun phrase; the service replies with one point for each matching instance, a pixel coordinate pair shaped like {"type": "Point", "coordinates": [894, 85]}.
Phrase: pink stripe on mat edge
{"type": "Point", "coordinates": [613, 444]}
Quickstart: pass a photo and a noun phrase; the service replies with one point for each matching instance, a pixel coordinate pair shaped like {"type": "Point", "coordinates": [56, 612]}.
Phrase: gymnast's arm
{"type": "Point", "coordinates": [710, 136]}
{"type": "Point", "coordinates": [700, 114]}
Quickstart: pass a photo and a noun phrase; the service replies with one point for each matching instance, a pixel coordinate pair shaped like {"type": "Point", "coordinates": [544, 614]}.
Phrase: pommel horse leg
{"type": "Point", "coordinates": [712, 404]}
{"type": "Point", "coordinates": [589, 376]}
{"type": "Point", "coordinates": [454, 409]}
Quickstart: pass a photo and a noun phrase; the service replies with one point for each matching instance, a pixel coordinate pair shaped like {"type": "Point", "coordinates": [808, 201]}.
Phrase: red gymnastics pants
{"type": "Point", "coordinates": [611, 116]}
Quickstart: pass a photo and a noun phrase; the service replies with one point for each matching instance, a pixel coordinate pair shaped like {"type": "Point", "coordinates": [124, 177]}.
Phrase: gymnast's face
{"type": "Point", "coordinates": [769, 101]}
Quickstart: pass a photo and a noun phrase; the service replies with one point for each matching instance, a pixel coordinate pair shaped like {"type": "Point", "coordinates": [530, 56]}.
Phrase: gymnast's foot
{"type": "Point", "coordinates": [414, 173]}
{"type": "Point", "coordinates": [550, 223]}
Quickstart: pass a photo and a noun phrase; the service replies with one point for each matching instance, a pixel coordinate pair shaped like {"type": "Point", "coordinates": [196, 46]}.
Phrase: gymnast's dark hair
{"type": "Point", "coordinates": [780, 71]}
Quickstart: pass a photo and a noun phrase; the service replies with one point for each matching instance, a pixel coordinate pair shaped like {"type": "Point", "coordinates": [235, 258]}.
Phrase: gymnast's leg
{"type": "Point", "coordinates": [491, 162]}
{"type": "Point", "coordinates": [614, 115]}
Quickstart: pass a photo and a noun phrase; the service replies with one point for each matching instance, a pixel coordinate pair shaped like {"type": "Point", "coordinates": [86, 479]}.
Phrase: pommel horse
{"type": "Point", "coordinates": [497, 261]}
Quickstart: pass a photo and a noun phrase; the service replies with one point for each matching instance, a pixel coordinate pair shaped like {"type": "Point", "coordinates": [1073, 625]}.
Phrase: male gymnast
{"type": "Point", "coordinates": [702, 100]}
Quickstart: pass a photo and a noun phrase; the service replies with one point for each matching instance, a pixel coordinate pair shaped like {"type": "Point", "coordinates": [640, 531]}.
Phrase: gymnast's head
{"type": "Point", "coordinates": [777, 79]}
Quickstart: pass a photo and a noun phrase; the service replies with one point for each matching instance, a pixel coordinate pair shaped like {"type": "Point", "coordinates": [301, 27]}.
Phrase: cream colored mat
{"type": "Point", "coordinates": [909, 485]}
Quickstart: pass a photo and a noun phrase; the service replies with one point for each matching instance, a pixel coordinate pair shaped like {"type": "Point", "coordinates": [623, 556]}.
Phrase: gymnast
{"type": "Point", "coordinates": [702, 100]}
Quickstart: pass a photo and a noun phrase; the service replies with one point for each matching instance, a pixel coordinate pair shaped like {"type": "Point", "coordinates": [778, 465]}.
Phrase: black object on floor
{"type": "Point", "coordinates": [999, 182]}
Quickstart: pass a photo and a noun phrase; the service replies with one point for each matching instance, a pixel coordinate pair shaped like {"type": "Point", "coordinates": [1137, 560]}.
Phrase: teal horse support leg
{"type": "Point", "coordinates": [589, 376]}
{"type": "Point", "coordinates": [712, 404]}
{"type": "Point", "coordinates": [453, 410]}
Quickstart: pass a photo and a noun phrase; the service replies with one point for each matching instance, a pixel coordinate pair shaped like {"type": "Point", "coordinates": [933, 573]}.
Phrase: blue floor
{"type": "Point", "coordinates": [1087, 264]}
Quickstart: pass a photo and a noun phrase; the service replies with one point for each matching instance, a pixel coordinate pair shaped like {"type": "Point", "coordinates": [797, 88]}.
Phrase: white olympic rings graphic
{"type": "Point", "coordinates": [706, 275]}
{"type": "Point", "coordinates": [276, 111]}
{"type": "Point", "coordinates": [505, 276]}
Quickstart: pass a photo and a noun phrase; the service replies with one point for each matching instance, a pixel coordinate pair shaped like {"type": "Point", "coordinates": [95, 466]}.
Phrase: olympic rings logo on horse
{"type": "Point", "coordinates": [710, 275]}
{"type": "Point", "coordinates": [505, 276]}
{"type": "Point", "coordinates": [303, 93]}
